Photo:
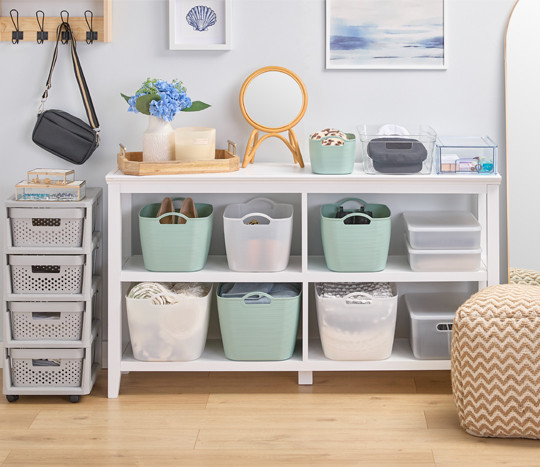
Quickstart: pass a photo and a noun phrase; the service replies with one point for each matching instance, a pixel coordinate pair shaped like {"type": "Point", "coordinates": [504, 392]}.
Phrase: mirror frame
{"type": "Point", "coordinates": [254, 141]}
{"type": "Point", "coordinates": [268, 129]}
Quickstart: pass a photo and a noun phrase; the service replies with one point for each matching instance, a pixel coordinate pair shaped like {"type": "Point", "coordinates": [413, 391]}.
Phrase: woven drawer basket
{"type": "Point", "coordinates": [495, 354]}
{"type": "Point", "coordinates": [46, 320]}
{"type": "Point", "coordinates": [47, 367]}
{"type": "Point", "coordinates": [46, 227]}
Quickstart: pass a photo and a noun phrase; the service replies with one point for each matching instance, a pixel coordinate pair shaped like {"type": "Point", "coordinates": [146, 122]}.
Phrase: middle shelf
{"type": "Point", "coordinates": [217, 270]}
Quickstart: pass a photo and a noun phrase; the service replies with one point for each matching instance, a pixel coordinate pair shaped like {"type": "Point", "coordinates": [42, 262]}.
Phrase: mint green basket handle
{"type": "Point", "coordinates": [177, 214]}
{"type": "Point", "coordinates": [249, 294]}
{"type": "Point", "coordinates": [358, 200]}
{"type": "Point", "coordinates": [258, 214]}
{"type": "Point", "coordinates": [356, 214]}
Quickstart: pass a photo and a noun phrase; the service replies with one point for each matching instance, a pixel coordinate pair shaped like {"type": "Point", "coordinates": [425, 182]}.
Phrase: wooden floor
{"type": "Point", "coordinates": [392, 418]}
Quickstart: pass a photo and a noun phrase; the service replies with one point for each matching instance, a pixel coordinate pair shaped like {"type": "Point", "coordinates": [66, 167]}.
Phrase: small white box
{"type": "Point", "coordinates": [442, 230]}
{"type": "Point", "coordinates": [431, 316]}
{"type": "Point", "coordinates": [357, 326]}
{"type": "Point", "coordinates": [444, 260]}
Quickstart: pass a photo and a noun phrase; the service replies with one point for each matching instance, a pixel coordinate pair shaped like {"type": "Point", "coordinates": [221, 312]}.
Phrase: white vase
{"type": "Point", "coordinates": [158, 141]}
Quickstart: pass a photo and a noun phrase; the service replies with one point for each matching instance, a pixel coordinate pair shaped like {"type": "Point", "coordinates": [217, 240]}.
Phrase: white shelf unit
{"type": "Point", "coordinates": [126, 266]}
{"type": "Point", "coordinates": [91, 295]}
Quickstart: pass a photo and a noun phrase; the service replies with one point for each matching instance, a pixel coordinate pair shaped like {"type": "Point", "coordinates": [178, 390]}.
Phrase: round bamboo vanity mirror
{"type": "Point", "coordinates": [273, 100]}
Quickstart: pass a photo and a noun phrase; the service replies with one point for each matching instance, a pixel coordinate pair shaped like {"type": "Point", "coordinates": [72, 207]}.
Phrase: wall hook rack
{"type": "Point", "coordinates": [41, 35]}
{"type": "Point", "coordinates": [16, 35]}
{"type": "Point", "coordinates": [91, 35]}
{"type": "Point", "coordinates": [65, 19]}
{"type": "Point", "coordinates": [88, 26]}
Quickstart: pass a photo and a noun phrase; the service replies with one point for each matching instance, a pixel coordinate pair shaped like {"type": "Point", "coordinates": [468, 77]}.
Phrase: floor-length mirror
{"type": "Point", "coordinates": [522, 131]}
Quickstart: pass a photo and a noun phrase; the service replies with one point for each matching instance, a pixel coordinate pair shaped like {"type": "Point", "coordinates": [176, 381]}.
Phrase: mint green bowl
{"type": "Point", "coordinates": [355, 247]}
{"type": "Point", "coordinates": [175, 247]}
{"type": "Point", "coordinates": [258, 331]}
{"type": "Point", "coordinates": [332, 160]}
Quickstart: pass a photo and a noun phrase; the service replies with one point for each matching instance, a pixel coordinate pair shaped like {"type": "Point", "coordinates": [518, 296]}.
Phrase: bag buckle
{"type": "Point", "coordinates": [98, 138]}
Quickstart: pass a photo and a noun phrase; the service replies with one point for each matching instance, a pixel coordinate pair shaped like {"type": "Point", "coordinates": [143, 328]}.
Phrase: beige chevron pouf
{"type": "Point", "coordinates": [495, 356]}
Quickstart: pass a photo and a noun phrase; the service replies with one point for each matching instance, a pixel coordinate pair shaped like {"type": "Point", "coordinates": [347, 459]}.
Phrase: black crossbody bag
{"type": "Point", "coordinates": [59, 132]}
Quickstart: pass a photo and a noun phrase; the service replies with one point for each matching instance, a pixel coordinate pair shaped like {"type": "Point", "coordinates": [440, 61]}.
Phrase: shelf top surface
{"type": "Point", "coordinates": [288, 173]}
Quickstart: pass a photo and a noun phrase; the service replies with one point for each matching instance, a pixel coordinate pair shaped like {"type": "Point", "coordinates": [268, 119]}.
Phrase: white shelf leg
{"type": "Point", "coordinates": [492, 228]}
{"type": "Point", "coordinates": [115, 292]}
{"type": "Point", "coordinates": [305, 377]}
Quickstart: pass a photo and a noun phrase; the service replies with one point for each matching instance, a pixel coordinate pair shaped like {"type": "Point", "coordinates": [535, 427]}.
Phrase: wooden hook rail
{"type": "Point", "coordinates": [29, 26]}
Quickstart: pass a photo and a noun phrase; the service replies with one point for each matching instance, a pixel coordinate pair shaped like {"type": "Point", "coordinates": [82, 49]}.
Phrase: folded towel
{"type": "Point", "coordinates": [240, 289]}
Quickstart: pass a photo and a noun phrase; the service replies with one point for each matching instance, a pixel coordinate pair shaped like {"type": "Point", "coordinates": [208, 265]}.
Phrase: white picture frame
{"type": "Point", "coordinates": [207, 28]}
{"type": "Point", "coordinates": [386, 34]}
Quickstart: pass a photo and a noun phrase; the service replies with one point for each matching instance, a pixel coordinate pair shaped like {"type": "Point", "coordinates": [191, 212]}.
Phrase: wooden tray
{"type": "Point", "coordinates": [131, 163]}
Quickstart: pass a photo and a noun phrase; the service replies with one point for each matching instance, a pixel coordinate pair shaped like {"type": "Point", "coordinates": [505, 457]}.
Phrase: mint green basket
{"type": "Point", "coordinates": [355, 247]}
{"type": "Point", "coordinates": [258, 331]}
{"type": "Point", "coordinates": [175, 247]}
{"type": "Point", "coordinates": [332, 160]}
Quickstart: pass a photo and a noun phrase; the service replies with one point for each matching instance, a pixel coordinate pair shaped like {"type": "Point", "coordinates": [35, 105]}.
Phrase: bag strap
{"type": "Point", "coordinates": [79, 75]}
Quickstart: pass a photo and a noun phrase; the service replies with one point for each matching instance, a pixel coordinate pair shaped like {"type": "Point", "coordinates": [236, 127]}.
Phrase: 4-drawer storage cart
{"type": "Point", "coordinates": [52, 296]}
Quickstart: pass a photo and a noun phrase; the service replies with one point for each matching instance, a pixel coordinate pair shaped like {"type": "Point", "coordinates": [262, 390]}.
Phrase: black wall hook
{"type": "Point", "coordinates": [16, 35]}
{"type": "Point", "coordinates": [91, 35]}
{"type": "Point", "coordinates": [65, 35]}
{"type": "Point", "coordinates": [41, 35]}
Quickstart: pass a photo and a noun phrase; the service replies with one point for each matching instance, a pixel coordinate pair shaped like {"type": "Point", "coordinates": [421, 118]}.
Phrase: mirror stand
{"type": "Point", "coordinates": [254, 142]}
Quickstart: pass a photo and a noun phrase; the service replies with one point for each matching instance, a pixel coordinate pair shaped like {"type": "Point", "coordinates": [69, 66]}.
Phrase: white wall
{"type": "Point", "coordinates": [468, 98]}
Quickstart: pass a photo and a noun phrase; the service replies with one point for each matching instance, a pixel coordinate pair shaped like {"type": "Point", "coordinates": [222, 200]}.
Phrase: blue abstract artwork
{"type": "Point", "coordinates": [385, 34]}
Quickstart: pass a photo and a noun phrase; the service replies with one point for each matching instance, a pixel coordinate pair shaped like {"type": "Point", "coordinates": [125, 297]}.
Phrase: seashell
{"type": "Point", "coordinates": [201, 17]}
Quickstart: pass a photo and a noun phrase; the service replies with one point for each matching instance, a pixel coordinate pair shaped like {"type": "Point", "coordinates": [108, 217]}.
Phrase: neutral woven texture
{"type": "Point", "coordinates": [495, 356]}
{"type": "Point", "coordinates": [524, 276]}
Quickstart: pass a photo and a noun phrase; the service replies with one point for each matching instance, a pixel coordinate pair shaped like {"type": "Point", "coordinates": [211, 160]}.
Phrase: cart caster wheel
{"type": "Point", "coordinates": [74, 399]}
{"type": "Point", "coordinates": [12, 398]}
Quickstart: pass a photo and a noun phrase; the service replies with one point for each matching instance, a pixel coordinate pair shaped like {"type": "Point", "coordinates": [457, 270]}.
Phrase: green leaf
{"type": "Point", "coordinates": [127, 98]}
{"type": "Point", "coordinates": [143, 103]}
{"type": "Point", "coordinates": [196, 106]}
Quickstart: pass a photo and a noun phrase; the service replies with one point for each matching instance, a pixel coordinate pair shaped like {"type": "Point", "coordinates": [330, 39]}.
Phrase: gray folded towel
{"type": "Point", "coordinates": [240, 289]}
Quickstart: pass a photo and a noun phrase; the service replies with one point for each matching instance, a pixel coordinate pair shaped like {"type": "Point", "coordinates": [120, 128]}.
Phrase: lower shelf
{"type": "Point", "coordinates": [213, 359]}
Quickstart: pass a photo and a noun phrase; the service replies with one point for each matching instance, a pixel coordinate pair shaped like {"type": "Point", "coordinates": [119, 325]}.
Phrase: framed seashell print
{"type": "Point", "coordinates": [200, 24]}
{"type": "Point", "coordinates": [391, 34]}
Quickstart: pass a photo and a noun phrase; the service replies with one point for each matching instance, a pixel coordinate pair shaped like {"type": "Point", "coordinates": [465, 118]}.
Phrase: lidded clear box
{"type": "Point", "coordinates": [72, 191]}
{"type": "Point", "coordinates": [466, 155]}
{"type": "Point", "coordinates": [50, 176]}
{"type": "Point", "coordinates": [397, 149]}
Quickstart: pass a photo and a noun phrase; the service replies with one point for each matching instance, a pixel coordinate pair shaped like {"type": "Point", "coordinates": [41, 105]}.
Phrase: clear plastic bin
{"type": "Point", "coordinates": [442, 230]}
{"type": "Point", "coordinates": [258, 235]}
{"type": "Point", "coordinates": [431, 316]}
{"type": "Point", "coordinates": [168, 333]}
{"type": "Point", "coordinates": [466, 155]}
{"type": "Point", "coordinates": [357, 326]}
{"type": "Point", "coordinates": [444, 260]}
{"type": "Point", "coordinates": [396, 149]}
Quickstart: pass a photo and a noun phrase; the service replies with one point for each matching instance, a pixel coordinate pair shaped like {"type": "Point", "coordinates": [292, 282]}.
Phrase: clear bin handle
{"type": "Point", "coordinates": [259, 214]}
{"type": "Point", "coordinates": [362, 295]}
{"type": "Point", "coordinates": [263, 294]}
{"type": "Point", "coordinates": [266, 200]}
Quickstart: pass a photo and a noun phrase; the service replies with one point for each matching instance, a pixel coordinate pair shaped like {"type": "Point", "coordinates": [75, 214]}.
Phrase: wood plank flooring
{"type": "Point", "coordinates": [253, 419]}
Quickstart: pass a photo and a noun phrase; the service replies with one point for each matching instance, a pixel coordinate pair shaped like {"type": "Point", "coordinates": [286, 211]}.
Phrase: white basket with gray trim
{"type": "Point", "coordinates": [46, 367]}
{"type": "Point", "coordinates": [46, 274]}
{"type": "Point", "coordinates": [47, 227]}
{"type": "Point", "coordinates": [46, 320]}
